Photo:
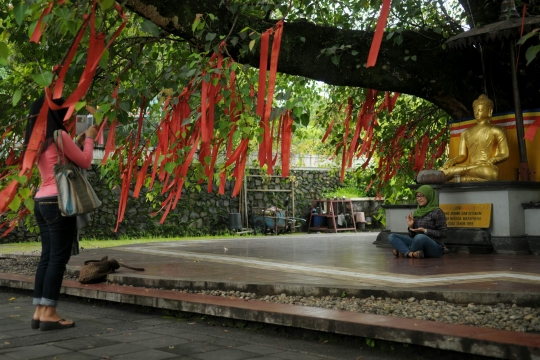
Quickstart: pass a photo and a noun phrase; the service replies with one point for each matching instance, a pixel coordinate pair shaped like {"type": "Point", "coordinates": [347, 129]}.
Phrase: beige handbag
{"type": "Point", "coordinates": [95, 271]}
{"type": "Point", "coordinates": [75, 194]}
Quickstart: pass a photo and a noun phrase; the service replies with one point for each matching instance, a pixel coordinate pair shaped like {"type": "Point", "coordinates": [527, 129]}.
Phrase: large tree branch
{"type": "Point", "coordinates": [449, 79]}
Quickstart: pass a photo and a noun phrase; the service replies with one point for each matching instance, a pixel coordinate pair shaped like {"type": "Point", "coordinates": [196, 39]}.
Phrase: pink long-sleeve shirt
{"type": "Point", "coordinates": [49, 158]}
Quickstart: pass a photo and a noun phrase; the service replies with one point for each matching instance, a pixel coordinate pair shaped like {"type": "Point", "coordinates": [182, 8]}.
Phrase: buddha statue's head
{"type": "Point", "coordinates": [482, 107]}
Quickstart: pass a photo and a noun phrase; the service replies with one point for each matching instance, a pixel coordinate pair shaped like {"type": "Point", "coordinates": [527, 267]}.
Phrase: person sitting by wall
{"type": "Point", "coordinates": [427, 227]}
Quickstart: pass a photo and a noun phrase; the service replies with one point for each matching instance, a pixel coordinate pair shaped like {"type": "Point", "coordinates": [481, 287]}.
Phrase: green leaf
{"type": "Point", "coordinates": [525, 37]}
{"type": "Point", "coordinates": [106, 4]}
{"type": "Point", "coordinates": [104, 61]}
{"type": "Point", "coordinates": [302, 39]}
{"type": "Point", "coordinates": [398, 40]}
{"type": "Point", "coordinates": [16, 97]}
{"type": "Point", "coordinates": [21, 179]}
{"type": "Point", "coordinates": [98, 116]}
{"type": "Point", "coordinates": [15, 204]}
{"type": "Point", "coordinates": [196, 22]}
{"type": "Point", "coordinates": [335, 59]}
{"type": "Point", "coordinates": [44, 78]}
{"type": "Point", "coordinates": [210, 36]}
{"type": "Point", "coordinates": [354, 52]}
{"type": "Point", "coordinates": [150, 28]}
{"type": "Point", "coordinates": [531, 53]}
{"type": "Point", "coordinates": [80, 105]}
{"type": "Point", "coordinates": [413, 58]}
{"type": "Point", "coordinates": [24, 193]}
{"type": "Point", "coordinates": [251, 45]}
{"type": "Point", "coordinates": [29, 204]}
{"type": "Point", "coordinates": [4, 50]}
{"type": "Point", "coordinates": [18, 12]}
{"type": "Point", "coordinates": [169, 167]}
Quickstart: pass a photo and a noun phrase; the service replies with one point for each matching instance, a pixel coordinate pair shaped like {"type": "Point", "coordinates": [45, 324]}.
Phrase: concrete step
{"type": "Point", "coordinates": [467, 339]}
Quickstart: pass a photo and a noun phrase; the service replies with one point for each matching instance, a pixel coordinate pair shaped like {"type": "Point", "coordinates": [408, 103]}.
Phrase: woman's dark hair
{"type": "Point", "coordinates": [55, 120]}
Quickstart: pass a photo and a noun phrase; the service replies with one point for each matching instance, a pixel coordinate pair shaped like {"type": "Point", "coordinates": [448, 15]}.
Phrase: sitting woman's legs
{"type": "Point", "coordinates": [401, 243]}
{"type": "Point", "coordinates": [427, 245]}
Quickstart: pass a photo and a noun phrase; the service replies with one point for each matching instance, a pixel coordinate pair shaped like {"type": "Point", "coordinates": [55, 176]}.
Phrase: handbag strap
{"type": "Point", "coordinates": [105, 259]}
{"type": "Point", "coordinates": [58, 138]}
{"type": "Point", "coordinates": [131, 267]}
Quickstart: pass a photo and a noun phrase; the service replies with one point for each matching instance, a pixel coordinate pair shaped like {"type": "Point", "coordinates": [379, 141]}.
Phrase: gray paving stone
{"type": "Point", "coordinates": [190, 348]}
{"type": "Point", "coordinates": [2, 357]}
{"type": "Point", "coordinates": [128, 336]}
{"type": "Point", "coordinates": [161, 341]}
{"type": "Point", "coordinates": [155, 321]}
{"type": "Point", "coordinates": [7, 321]}
{"type": "Point", "coordinates": [5, 336]}
{"type": "Point", "coordinates": [167, 331]}
{"type": "Point", "coordinates": [10, 327]}
{"type": "Point", "coordinates": [227, 354]}
{"type": "Point", "coordinates": [259, 349]}
{"type": "Point", "coordinates": [34, 352]}
{"type": "Point", "coordinates": [195, 337]}
{"type": "Point", "coordinates": [85, 343]}
{"type": "Point", "coordinates": [291, 355]}
{"type": "Point", "coordinates": [70, 356]}
{"type": "Point", "coordinates": [226, 342]}
{"type": "Point", "coordinates": [113, 350]}
{"type": "Point", "coordinates": [150, 354]}
{"type": "Point", "coordinates": [27, 331]}
{"type": "Point", "coordinates": [105, 320]}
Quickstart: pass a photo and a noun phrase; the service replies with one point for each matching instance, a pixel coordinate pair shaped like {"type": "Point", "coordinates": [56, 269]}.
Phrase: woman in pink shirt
{"type": "Point", "coordinates": [56, 231]}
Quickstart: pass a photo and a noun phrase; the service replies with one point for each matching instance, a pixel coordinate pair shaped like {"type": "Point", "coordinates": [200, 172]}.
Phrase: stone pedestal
{"type": "Point", "coordinates": [507, 229]}
{"type": "Point", "coordinates": [514, 227]}
{"type": "Point", "coordinates": [532, 226]}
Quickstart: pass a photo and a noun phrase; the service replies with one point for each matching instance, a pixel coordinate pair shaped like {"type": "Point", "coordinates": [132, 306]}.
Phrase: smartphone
{"type": "Point", "coordinates": [83, 122]}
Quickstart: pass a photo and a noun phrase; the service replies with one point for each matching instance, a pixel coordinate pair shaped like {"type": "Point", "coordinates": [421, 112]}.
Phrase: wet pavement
{"type": "Point", "coordinates": [319, 264]}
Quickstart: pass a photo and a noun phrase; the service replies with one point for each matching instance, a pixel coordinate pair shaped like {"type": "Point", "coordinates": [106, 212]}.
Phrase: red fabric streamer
{"type": "Point", "coordinates": [531, 130]}
{"type": "Point", "coordinates": [286, 139]}
{"type": "Point", "coordinates": [328, 130]}
{"type": "Point", "coordinates": [38, 30]}
{"type": "Point", "coordinates": [379, 31]}
{"type": "Point", "coordinates": [263, 66]}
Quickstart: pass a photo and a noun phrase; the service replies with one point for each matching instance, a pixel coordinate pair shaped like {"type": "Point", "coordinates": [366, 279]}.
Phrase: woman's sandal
{"type": "Point", "coordinates": [416, 254]}
{"type": "Point", "coordinates": [397, 253]}
{"type": "Point", "coordinates": [34, 324]}
{"type": "Point", "coordinates": [54, 325]}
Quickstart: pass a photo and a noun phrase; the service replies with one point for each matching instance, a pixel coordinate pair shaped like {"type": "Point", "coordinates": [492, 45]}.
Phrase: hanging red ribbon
{"type": "Point", "coordinates": [379, 31]}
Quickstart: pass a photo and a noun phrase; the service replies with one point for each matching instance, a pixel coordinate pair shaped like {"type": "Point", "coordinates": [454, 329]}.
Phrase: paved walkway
{"type": "Point", "coordinates": [319, 264]}
{"type": "Point", "coordinates": [313, 262]}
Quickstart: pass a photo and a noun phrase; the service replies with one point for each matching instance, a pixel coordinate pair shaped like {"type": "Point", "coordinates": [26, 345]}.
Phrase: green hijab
{"type": "Point", "coordinates": [432, 202]}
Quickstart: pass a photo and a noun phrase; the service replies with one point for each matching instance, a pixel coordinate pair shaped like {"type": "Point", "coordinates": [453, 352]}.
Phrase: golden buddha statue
{"type": "Point", "coordinates": [483, 144]}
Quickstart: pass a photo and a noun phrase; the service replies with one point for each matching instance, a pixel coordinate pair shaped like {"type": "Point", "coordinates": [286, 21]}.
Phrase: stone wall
{"type": "Point", "coordinates": [200, 213]}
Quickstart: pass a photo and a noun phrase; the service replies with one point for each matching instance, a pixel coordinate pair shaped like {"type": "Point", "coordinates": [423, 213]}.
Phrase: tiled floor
{"type": "Point", "coordinates": [325, 260]}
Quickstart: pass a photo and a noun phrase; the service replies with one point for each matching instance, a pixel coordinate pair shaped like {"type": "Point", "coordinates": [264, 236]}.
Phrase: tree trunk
{"type": "Point", "coordinates": [451, 79]}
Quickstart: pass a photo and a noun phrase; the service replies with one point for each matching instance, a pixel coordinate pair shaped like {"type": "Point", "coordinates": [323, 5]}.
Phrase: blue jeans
{"type": "Point", "coordinates": [404, 244]}
{"type": "Point", "coordinates": [57, 233]}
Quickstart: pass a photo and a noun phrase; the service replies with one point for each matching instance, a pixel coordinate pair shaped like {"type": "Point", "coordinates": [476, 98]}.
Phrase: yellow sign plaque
{"type": "Point", "coordinates": [467, 215]}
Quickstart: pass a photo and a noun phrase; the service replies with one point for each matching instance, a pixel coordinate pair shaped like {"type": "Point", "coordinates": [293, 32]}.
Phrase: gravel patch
{"type": "Point", "coordinates": [499, 316]}
{"type": "Point", "coordinates": [23, 265]}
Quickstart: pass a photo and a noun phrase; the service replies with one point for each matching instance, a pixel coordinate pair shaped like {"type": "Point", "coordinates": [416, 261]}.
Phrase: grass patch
{"type": "Point", "coordinates": [34, 248]}
{"type": "Point", "coordinates": [347, 192]}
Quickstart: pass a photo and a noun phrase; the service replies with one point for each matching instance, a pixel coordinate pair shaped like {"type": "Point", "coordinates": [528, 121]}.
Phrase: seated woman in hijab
{"type": "Point", "coordinates": [427, 228]}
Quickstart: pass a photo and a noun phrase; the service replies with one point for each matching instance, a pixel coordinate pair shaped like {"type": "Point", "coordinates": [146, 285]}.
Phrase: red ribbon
{"type": "Point", "coordinates": [379, 31]}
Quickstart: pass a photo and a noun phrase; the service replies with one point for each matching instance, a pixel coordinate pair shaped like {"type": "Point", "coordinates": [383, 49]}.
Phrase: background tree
{"type": "Point", "coordinates": [167, 48]}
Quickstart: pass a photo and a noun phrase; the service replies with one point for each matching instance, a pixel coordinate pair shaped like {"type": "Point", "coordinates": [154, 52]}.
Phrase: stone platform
{"type": "Point", "coordinates": [320, 264]}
